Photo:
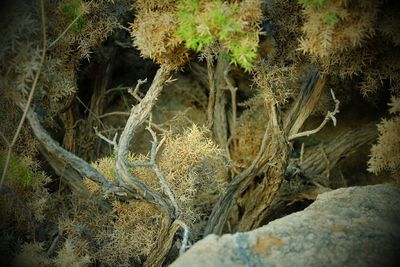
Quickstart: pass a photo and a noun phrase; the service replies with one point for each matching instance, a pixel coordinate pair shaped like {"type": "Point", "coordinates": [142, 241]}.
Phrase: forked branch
{"type": "Point", "coordinates": [138, 115]}
{"type": "Point", "coordinates": [329, 116]}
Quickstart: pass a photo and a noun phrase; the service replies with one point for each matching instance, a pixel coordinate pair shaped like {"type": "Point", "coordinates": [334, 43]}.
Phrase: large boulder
{"type": "Point", "coordinates": [356, 226]}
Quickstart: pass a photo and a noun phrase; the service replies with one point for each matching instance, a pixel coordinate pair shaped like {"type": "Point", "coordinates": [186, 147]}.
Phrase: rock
{"type": "Point", "coordinates": [356, 226]}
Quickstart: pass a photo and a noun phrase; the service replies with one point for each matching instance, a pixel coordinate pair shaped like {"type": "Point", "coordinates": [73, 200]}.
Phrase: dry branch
{"type": "Point", "coordinates": [211, 85]}
{"type": "Point", "coordinates": [271, 160]}
{"type": "Point", "coordinates": [155, 146]}
{"type": "Point", "coordinates": [343, 145]}
{"type": "Point", "coordinates": [164, 244]}
{"type": "Point", "coordinates": [233, 91]}
{"type": "Point", "coordinates": [329, 116]}
{"type": "Point", "coordinates": [305, 103]}
{"type": "Point", "coordinates": [52, 148]}
{"type": "Point", "coordinates": [314, 167]}
{"type": "Point", "coordinates": [138, 115]}
{"type": "Point", "coordinates": [220, 124]}
{"type": "Point", "coordinates": [240, 182]}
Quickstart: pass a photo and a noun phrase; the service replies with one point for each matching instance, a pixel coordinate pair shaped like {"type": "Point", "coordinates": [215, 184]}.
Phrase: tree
{"type": "Point", "coordinates": [229, 174]}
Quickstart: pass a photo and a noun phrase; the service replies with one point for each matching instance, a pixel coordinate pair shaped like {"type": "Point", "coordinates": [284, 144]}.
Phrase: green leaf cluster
{"type": "Point", "coordinates": [18, 172]}
{"type": "Point", "coordinates": [201, 24]}
{"type": "Point", "coordinates": [72, 9]}
{"type": "Point", "coordinates": [331, 18]}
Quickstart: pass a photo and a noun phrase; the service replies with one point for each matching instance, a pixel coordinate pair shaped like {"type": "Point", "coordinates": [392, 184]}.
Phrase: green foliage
{"type": "Point", "coordinates": [314, 3]}
{"type": "Point", "coordinates": [195, 38]}
{"type": "Point", "coordinates": [18, 172]}
{"type": "Point", "coordinates": [72, 9]}
{"type": "Point", "coordinates": [331, 18]}
{"type": "Point", "coordinates": [201, 24]}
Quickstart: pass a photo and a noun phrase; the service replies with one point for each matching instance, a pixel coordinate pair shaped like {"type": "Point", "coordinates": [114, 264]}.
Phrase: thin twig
{"type": "Point", "coordinates": [329, 116]}
{"type": "Point", "coordinates": [301, 154]}
{"type": "Point", "coordinates": [31, 94]}
{"type": "Point", "coordinates": [124, 113]}
{"type": "Point", "coordinates": [233, 91]}
{"type": "Point", "coordinates": [64, 32]}
{"type": "Point", "coordinates": [122, 88]}
{"type": "Point", "coordinates": [211, 84]}
{"type": "Point", "coordinates": [4, 138]}
{"type": "Point", "coordinates": [137, 87]}
{"type": "Point", "coordinates": [185, 236]}
{"type": "Point", "coordinates": [89, 110]}
{"type": "Point", "coordinates": [114, 113]}
{"type": "Point", "coordinates": [111, 142]}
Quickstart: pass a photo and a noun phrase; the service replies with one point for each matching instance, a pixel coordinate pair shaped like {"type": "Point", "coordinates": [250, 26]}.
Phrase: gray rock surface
{"type": "Point", "coordinates": [356, 226]}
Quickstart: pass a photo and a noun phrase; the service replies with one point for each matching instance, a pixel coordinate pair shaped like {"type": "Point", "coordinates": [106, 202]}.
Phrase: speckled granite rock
{"type": "Point", "coordinates": [357, 226]}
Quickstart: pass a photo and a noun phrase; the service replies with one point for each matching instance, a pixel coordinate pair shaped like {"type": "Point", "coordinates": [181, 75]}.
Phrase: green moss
{"type": "Point", "coordinates": [72, 9]}
{"type": "Point", "coordinates": [17, 172]}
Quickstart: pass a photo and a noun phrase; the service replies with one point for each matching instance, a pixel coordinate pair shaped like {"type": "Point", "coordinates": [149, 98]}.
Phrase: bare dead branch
{"type": "Point", "coordinates": [185, 238]}
{"type": "Point", "coordinates": [164, 243]}
{"type": "Point", "coordinates": [31, 94]}
{"type": "Point", "coordinates": [138, 115]}
{"type": "Point", "coordinates": [211, 85]}
{"type": "Point", "coordinates": [325, 157]}
{"type": "Point", "coordinates": [233, 91]}
{"type": "Point", "coordinates": [155, 146]}
{"type": "Point", "coordinates": [271, 159]}
{"type": "Point", "coordinates": [329, 116]}
{"type": "Point", "coordinates": [78, 164]}
{"type": "Point", "coordinates": [302, 153]}
{"type": "Point", "coordinates": [115, 113]}
{"type": "Point", "coordinates": [111, 142]}
{"type": "Point", "coordinates": [343, 145]}
{"type": "Point", "coordinates": [222, 208]}
{"type": "Point", "coordinates": [305, 102]}
{"type": "Point", "coordinates": [220, 124]}
{"type": "Point", "coordinates": [134, 93]}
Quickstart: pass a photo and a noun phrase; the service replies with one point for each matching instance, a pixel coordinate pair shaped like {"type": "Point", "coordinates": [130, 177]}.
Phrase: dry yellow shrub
{"type": "Point", "coordinates": [194, 169]}
{"type": "Point", "coordinates": [67, 256]}
{"type": "Point", "coordinates": [385, 154]}
{"type": "Point", "coordinates": [337, 25]}
{"type": "Point", "coordinates": [283, 17]}
{"type": "Point", "coordinates": [249, 133]}
{"type": "Point", "coordinates": [153, 33]}
{"type": "Point", "coordinates": [136, 230]}
{"type": "Point", "coordinates": [89, 223]}
{"type": "Point", "coordinates": [196, 172]}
